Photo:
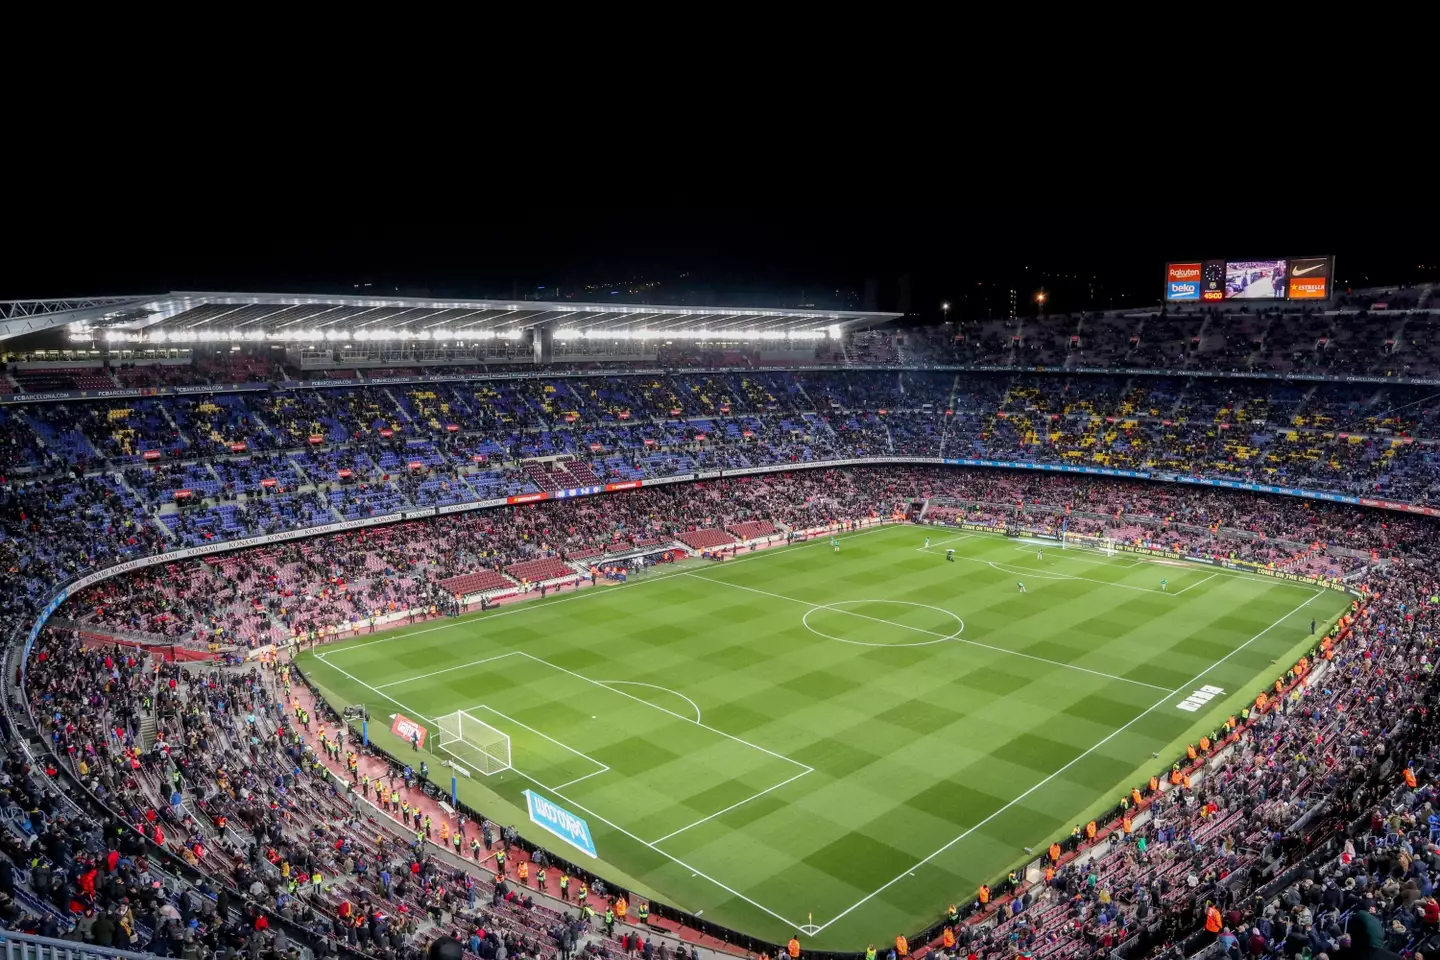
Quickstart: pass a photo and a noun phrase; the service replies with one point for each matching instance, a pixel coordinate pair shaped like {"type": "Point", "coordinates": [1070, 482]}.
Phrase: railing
{"type": "Point", "coordinates": [24, 946]}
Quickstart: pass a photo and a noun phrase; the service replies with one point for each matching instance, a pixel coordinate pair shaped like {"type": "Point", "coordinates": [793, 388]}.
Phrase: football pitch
{"type": "Point", "coordinates": [836, 743]}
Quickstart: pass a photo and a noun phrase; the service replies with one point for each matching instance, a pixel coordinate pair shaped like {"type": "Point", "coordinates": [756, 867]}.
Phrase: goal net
{"type": "Point", "coordinates": [474, 743]}
{"type": "Point", "coordinates": [1079, 541]}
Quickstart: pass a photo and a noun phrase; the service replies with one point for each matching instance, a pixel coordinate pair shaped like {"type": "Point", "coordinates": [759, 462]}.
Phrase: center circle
{"type": "Point", "coordinates": [911, 627]}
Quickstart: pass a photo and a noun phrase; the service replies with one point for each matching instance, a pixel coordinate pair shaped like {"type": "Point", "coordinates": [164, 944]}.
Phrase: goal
{"type": "Point", "coordinates": [1078, 541]}
{"type": "Point", "coordinates": [474, 743]}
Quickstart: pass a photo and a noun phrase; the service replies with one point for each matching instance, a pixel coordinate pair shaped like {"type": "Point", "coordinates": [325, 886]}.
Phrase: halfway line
{"type": "Point", "coordinates": [973, 643]}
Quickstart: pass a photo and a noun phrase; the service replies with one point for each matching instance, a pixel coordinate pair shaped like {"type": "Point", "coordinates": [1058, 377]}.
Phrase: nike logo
{"type": "Point", "coordinates": [1300, 272]}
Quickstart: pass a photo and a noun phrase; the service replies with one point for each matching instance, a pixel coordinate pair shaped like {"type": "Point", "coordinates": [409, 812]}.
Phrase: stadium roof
{"type": "Point", "coordinates": [198, 317]}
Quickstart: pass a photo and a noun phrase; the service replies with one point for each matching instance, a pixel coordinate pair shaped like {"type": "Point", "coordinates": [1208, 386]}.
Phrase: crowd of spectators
{"type": "Point", "coordinates": [88, 484]}
{"type": "Point", "coordinates": [201, 470]}
{"type": "Point", "coordinates": [214, 765]}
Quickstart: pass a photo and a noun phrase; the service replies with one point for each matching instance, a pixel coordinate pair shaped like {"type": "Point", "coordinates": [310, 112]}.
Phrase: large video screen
{"type": "Point", "coordinates": [1255, 279]}
{"type": "Point", "coordinates": [1291, 278]}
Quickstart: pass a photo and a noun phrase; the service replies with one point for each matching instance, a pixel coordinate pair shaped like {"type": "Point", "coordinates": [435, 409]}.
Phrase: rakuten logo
{"type": "Point", "coordinates": [1184, 271]}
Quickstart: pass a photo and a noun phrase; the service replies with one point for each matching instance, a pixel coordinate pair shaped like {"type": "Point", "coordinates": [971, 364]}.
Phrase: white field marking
{"type": "Point", "coordinates": [805, 622]}
{"type": "Point", "coordinates": [938, 543]}
{"type": "Point", "coordinates": [728, 736]}
{"type": "Point", "coordinates": [571, 783]}
{"type": "Point", "coordinates": [467, 763]}
{"type": "Point", "coordinates": [1061, 554]}
{"type": "Point", "coordinates": [731, 807]}
{"type": "Point", "coordinates": [524, 606]}
{"type": "Point", "coordinates": [653, 686]}
{"type": "Point", "coordinates": [436, 673]}
{"type": "Point", "coordinates": [973, 643]}
{"type": "Point", "coordinates": [558, 743]}
{"type": "Point", "coordinates": [1196, 584]}
{"type": "Point", "coordinates": [581, 807]}
{"type": "Point", "coordinates": [1015, 570]}
{"type": "Point", "coordinates": [1187, 685]}
{"type": "Point", "coordinates": [1124, 560]}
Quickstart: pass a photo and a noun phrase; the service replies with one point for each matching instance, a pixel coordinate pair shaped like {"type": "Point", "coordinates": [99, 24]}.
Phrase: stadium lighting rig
{"type": "Point", "coordinates": [81, 332]}
{"type": "Point", "coordinates": [204, 335]}
{"type": "Point", "coordinates": [574, 333]}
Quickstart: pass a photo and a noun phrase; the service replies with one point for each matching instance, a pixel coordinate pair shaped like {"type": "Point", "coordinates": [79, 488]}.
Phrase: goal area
{"type": "Point", "coordinates": [1079, 541]}
{"type": "Point", "coordinates": [474, 743]}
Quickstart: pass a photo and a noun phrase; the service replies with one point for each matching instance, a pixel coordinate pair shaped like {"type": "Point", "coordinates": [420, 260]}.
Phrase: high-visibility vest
{"type": "Point", "coordinates": [621, 907]}
{"type": "Point", "coordinates": [793, 948]}
{"type": "Point", "coordinates": [1054, 851]}
{"type": "Point", "coordinates": [948, 939]}
{"type": "Point", "coordinates": [902, 946]}
{"type": "Point", "coordinates": [1410, 778]}
{"type": "Point", "coordinates": [1213, 921]}
{"type": "Point", "coordinates": [523, 870]}
{"type": "Point", "coordinates": [1090, 830]}
{"type": "Point", "coordinates": [984, 894]}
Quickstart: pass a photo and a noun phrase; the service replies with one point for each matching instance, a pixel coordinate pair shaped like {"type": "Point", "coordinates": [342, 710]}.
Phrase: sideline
{"type": "Point", "coordinates": [1148, 710]}
{"type": "Point", "coordinates": [522, 607]}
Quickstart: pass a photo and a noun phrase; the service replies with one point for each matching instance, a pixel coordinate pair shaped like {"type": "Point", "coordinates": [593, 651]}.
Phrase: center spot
{"type": "Point", "coordinates": [883, 623]}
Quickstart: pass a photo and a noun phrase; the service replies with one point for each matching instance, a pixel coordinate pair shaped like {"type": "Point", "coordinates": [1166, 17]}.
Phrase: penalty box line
{"type": "Point", "coordinates": [604, 768]}
{"type": "Point", "coordinates": [581, 807]}
{"type": "Point", "coordinates": [1112, 735]}
{"type": "Point", "coordinates": [941, 543]}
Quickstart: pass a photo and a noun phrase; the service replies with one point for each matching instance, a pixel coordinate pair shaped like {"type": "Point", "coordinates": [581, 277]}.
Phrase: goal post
{"type": "Point", "coordinates": [474, 743]}
{"type": "Point", "coordinates": [1080, 541]}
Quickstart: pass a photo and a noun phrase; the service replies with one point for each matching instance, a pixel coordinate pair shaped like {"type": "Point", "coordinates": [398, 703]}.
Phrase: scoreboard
{"type": "Point", "coordinates": [1287, 278]}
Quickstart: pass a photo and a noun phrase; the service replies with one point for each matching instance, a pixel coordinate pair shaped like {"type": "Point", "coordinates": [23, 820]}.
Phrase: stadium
{"type": "Point", "coordinates": [345, 624]}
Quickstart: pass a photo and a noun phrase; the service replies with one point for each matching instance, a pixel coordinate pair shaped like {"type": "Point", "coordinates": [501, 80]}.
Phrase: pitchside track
{"type": "Point", "coordinates": [837, 743]}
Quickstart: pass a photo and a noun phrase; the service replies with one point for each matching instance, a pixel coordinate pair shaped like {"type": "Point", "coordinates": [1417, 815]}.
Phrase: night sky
{"type": "Point", "coordinates": [912, 258]}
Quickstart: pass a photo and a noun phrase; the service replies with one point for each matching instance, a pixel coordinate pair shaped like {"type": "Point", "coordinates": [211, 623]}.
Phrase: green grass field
{"type": "Point", "coordinates": [858, 737]}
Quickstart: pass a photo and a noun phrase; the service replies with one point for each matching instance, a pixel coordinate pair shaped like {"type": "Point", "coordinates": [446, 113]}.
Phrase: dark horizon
{"type": "Point", "coordinates": [894, 260]}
